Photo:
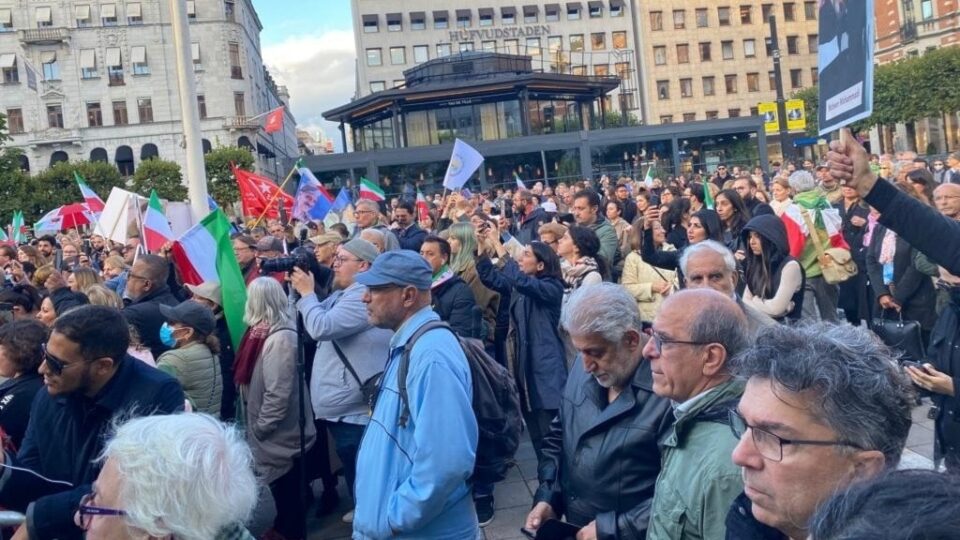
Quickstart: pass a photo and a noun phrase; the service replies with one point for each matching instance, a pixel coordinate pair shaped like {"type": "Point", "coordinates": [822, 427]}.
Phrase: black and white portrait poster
{"type": "Point", "coordinates": [845, 62]}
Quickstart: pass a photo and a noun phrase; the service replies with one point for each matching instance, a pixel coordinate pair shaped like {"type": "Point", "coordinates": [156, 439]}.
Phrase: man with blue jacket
{"type": "Point", "coordinates": [414, 465]}
{"type": "Point", "coordinates": [90, 382]}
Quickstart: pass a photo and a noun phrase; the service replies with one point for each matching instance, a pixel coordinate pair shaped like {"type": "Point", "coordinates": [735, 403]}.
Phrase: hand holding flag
{"type": "Point", "coordinates": [464, 161]}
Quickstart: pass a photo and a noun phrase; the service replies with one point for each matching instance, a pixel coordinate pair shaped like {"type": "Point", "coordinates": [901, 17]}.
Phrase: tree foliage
{"type": "Point", "coordinates": [221, 183]}
{"type": "Point", "coordinates": [916, 88]}
{"type": "Point", "coordinates": [811, 104]}
{"type": "Point", "coordinates": [57, 185]}
{"type": "Point", "coordinates": [161, 175]}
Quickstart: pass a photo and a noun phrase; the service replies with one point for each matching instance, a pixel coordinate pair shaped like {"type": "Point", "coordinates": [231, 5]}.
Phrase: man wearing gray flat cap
{"type": "Point", "coordinates": [418, 452]}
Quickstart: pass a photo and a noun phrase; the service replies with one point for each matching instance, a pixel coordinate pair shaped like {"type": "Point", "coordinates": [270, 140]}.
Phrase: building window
{"type": "Point", "coordinates": [134, 14]}
{"type": "Point", "coordinates": [623, 70]}
{"type": "Point", "coordinates": [686, 88]}
{"type": "Point", "coordinates": [810, 10]}
{"type": "Point", "coordinates": [703, 18]}
{"type": "Point", "coordinates": [768, 44]}
{"type": "Point", "coordinates": [726, 49]}
{"type": "Point", "coordinates": [421, 53]}
{"type": "Point", "coordinates": [813, 44]}
{"type": "Point", "coordinates": [723, 16]}
{"type": "Point", "coordinates": [663, 90]}
{"type": "Point", "coordinates": [236, 72]}
{"type": "Point", "coordinates": [371, 24]}
{"type": "Point", "coordinates": [708, 86]}
{"type": "Point", "coordinates": [796, 78]}
{"type": "Point", "coordinates": [8, 63]}
{"type": "Point", "coordinates": [689, 117]}
{"type": "Point", "coordinates": [489, 45]}
{"type": "Point", "coordinates": [679, 19]}
{"type": "Point", "coordinates": [145, 110]}
{"type": "Point", "coordinates": [766, 10]}
{"type": "Point", "coordinates": [815, 75]}
{"type": "Point", "coordinates": [418, 21]}
{"type": "Point", "coordinates": [730, 81]}
{"type": "Point", "coordinates": [120, 117]}
{"type": "Point", "coordinates": [398, 55]}
{"type": "Point", "coordinates": [666, 119]}
{"type": "Point", "coordinates": [573, 12]}
{"type": "Point", "coordinates": [195, 55]}
{"type": "Point", "coordinates": [486, 17]}
{"type": "Point", "coordinates": [616, 9]}
{"type": "Point", "coordinates": [443, 49]}
{"type": "Point", "coordinates": [394, 22]}
{"type": "Point", "coordinates": [202, 106]}
{"type": "Point", "coordinates": [705, 54]}
{"type": "Point", "coordinates": [94, 115]}
{"type": "Point", "coordinates": [772, 80]}
{"type": "Point", "coordinates": [746, 14]}
{"type": "Point", "coordinates": [749, 48]}
{"type": "Point", "coordinates": [619, 40]}
{"type": "Point", "coordinates": [463, 19]}
{"type": "Point", "coordinates": [753, 82]}
{"type": "Point", "coordinates": [239, 104]}
{"type": "Point", "coordinates": [508, 16]}
{"type": "Point", "coordinates": [656, 20]}
{"type": "Point", "coordinates": [6, 20]}
{"type": "Point", "coordinates": [576, 42]}
{"type": "Point", "coordinates": [229, 11]}
{"type": "Point", "coordinates": [683, 53]}
{"type": "Point", "coordinates": [399, 83]}
{"type": "Point", "coordinates": [733, 113]}
{"type": "Point", "coordinates": [108, 14]}
{"type": "Point", "coordinates": [51, 68]}
{"type": "Point", "coordinates": [466, 46]}
{"type": "Point", "coordinates": [793, 45]}
{"type": "Point", "coordinates": [374, 57]}
{"type": "Point", "coordinates": [926, 9]}
{"type": "Point", "coordinates": [712, 115]}
{"type": "Point", "coordinates": [754, 111]}
{"type": "Point", "coordinates": [138, 57]}
{"type": "Point", "coordinates": [660, 55]}
{"type": "Point", "coordinates": [191, 10]}
{"type": "Point", "coordinates": [15, 121]}
{"type": "Point", "coordinates": [55, 116]}
{"type": "Point", "coordinates": [601, 70]}
{"type": "Point", "coordinates": [440, 21]}
{"type": "Point", "coordinates": [789, 11]}
{"type": "Point", "coordinates": [82, 16]}
{"type": "Point", "coordinates": [596, 11]}
{"type": "Point", "coordinates": [114, 66]}
{"type": "Point", "coordinates": [377, 86]}
{"type": "Point", "coordinates": [530, 15]}
{"type": "Point", "coordinates": [551, 13]}
{"type": "Point", "coordinates": [598, 41]}
{"type": "Point", "coordinates": [44, 17]}
{"type": "Point", "coordinates": [533, 46]}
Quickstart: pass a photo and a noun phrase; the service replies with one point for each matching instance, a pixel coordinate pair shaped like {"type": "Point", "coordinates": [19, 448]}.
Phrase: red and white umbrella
{"type": "Point", "coordinates": [70, 216]}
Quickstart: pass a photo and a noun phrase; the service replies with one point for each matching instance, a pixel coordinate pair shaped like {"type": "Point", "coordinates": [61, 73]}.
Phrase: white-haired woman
{"type": "Point", "coordinates": [184, 476]}
{"type": "Point", "coordinates": [265, 371]}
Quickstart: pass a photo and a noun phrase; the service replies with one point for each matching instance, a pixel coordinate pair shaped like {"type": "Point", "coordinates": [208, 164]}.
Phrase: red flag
{"type": "Point", "coordinates": [274, 121]}
{"type": "Point", "coordinates": [258, 194]}
{"type": "Point", "coordinates": [423, 209]}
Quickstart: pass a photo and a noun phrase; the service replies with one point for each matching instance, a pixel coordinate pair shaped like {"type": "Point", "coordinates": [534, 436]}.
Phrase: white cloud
{"type": "Point", "coordinates": [320, 73]}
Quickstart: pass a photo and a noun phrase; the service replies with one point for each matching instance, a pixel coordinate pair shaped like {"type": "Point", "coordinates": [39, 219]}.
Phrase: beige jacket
{"type": "Point", "coordinates": [638, 279]}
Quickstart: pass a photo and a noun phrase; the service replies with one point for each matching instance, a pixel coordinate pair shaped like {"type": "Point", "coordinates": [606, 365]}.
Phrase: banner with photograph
{"type": "Point", "coordinates": [845, 62]}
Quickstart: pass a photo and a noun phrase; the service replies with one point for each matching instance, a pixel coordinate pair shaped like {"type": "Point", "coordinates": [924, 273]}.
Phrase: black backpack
{"type": "Point", "coordinates": [496, 404]}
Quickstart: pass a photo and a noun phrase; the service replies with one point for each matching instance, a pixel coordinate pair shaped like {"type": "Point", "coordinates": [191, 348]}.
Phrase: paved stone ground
{"type": "Point", "coordinates": [513, 496]}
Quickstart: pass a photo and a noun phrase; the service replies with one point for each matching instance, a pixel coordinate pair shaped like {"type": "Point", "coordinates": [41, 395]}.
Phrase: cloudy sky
{"type": "Point", "coordinates": [308, 46]}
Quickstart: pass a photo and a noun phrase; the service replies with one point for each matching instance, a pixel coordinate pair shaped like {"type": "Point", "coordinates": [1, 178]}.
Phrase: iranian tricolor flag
{"type": "Point", "coordinates": [371, 191]}
{"type": "Point", "coordinates": [423, 209]}
{"type": "Point", "coordinates": [827, 219]}
{"type": "Point", "coordinates": [204, 254]}
{"type": "Point", "coordinates": [156, 228]}
{"type": "Point", "coordinates": [90, 197]}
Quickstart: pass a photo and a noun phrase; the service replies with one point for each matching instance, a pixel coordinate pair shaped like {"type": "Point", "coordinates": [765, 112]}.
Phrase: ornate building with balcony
{"type": "Point", "coordinates": [96, 80]}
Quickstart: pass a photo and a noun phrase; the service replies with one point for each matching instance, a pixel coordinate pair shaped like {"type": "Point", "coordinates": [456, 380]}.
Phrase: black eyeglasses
{"type": "Point", "coordinates": [769, 445]}
{"type": "Point", "coordinates": [87, 511]}
{"type": "Point", "coordinates": [56, 365]}
{"type": "Point", "coordinates": [659, 340]}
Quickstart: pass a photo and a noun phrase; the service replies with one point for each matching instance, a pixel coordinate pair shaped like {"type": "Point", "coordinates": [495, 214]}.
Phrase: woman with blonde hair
{"type": "Point", "coordinates": [28, 253]}
{"type": "Point", "coordinates": [648, 284]}
{"type": "Point", "coordinates": [780, 192]}
{"type": "Point", "coordinates": [462, 238]}
{"type": "Point", "coordinates": [100, 295]}
{"type": "Point", "coordinates": [82, 278]}
{"type": "Point", "coordinates": [115, 273]}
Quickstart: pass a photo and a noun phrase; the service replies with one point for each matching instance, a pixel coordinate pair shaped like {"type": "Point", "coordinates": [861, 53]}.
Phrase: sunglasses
{"type": "Point", "coordinates": [55, 364]}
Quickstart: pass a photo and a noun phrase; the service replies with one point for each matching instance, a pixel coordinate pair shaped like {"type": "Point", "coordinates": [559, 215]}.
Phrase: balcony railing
{"type": "Point", "coordinates": [908, 32]}
{"type": "Point", "coordinates": [240, 122]}
{"type": "Point", "coordinates": [44, 36]}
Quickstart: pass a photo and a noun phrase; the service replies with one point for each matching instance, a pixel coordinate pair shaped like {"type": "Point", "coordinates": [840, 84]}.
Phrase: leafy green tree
{"type": "Point", "coordinates": [161, 175]}
{"type": "Point", "coordinates": [221, 183]}
{"type": "Point", "coordinates": [57, 185]}
{"type": "Point", "coordinates": [811, 104]}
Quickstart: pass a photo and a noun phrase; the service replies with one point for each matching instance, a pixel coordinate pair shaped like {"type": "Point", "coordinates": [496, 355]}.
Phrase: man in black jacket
{"type": "Point", "coordinates": [90, 381]}
{"type": "Point", "coordinates": [528, 216]}
{"type": "Point", "coordinates": [601, 458]}
{"type": "Point", "coordinates": [409, 234]}
{"type": "Point", "coordinates": [452, 298]}
{"type": "Point", "coordinates": [147, 288]}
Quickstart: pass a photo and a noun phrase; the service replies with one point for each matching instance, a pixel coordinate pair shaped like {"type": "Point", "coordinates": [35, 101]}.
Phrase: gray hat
{"type": "Point", "coordinates": [362, 249]}
{"type": "Point", "coordinates": [399, 267]}
{"type": "Point", "coordinates": [209, 290]}
{"type": "Point", "coordinates": [191, 314]}
{"type": "Point", "coordinates": [269, 243]}
{"type": "Point", "coordinates": [326, 238]}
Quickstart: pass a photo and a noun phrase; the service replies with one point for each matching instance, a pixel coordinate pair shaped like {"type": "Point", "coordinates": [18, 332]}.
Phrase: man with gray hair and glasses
{"type": "Point", "coordinates": [600, 458]}
{"type": "Point", "coordinates": [368, 217]}
{"type": "Point", "coordinates": [695, 334]}
{"type": "Point", "coordinates": [824, 406]}
{"type": "Point", "coordinates": [711, 265]}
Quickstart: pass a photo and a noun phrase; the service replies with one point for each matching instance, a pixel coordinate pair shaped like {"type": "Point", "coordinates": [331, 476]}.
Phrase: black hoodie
{"type": "Point", "coordinates": [776, 254]}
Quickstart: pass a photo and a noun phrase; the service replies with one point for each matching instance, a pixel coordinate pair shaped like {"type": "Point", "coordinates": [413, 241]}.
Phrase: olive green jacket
{"type": "Point", "coordinates": [198, 371]}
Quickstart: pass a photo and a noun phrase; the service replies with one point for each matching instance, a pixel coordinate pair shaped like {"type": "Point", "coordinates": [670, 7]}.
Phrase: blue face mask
{"type": "Point", "coordinates": [166, 336]}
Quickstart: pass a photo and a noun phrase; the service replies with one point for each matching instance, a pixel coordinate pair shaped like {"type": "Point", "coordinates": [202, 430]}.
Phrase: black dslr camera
{"type": "Point", "coordinates": [298, 259]}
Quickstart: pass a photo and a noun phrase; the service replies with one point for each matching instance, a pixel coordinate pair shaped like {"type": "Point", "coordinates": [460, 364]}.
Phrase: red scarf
{"type": "Point", "coordinates": [249, 352]}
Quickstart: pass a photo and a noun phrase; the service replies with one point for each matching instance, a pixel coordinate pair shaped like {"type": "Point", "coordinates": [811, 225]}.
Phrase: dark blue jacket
{"type": "Point", "coordinates": [411, 238]}
{"type": "Point", "coordinates": [66, 435]}
{"type": "Point", "coordinates": [537, 348]}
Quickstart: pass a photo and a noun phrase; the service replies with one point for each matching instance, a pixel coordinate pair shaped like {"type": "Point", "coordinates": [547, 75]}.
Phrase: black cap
{"type": "Point", "coordinates": [191, 314]}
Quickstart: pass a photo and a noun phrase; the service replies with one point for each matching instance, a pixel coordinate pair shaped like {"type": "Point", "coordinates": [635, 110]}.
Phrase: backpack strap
{"type": "Point", "coordinates": [405, 367]}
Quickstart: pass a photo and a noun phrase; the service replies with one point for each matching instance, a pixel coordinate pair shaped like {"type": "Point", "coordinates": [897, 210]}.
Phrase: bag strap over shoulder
{"type": "Point", "coordinates": [346, 363]}
{"type": "Point", "coordinates": [405, 366]}
{"type": "Point", "coordinates": [813, 232]}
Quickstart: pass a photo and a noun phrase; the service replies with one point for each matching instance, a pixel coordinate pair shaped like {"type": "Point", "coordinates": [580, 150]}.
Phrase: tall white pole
{"type": "Point", "coordinates": [196, 174]}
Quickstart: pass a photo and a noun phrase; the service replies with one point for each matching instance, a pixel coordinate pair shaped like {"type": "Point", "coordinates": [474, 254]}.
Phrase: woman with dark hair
{"type": "Point", "coordinates": [921, 183]}
{"type": "Point", "coordinates": [675, 220]}
{"type": "Point", "coordinates": [534, 344]}
{"type": "Point", "coordinates": [695, 194]}
{"type": "Point", "coordinates": [614, 213]}
{"type": "Point", "coordinates": [704, 225]}
{"type": "Point", "coordinates": [734, 215]}
{"type": "Point", "coordinates": [854, 215]}
{"type": "Point", "coordinates": [774, 279]}
{"type": "Point", "coordinates": [581, 262]}
{"type": "Point", "coordinates": [21, 352]}
{"type": "Point", "coordinates": [25, 301]}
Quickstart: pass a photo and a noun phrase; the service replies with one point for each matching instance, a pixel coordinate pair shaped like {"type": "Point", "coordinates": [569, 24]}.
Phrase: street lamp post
{"type": "Point", "coordinates": [781, 103]}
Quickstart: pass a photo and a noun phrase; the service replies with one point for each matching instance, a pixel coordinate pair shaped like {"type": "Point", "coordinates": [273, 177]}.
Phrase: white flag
{"type": "Point", "coordinates": [463, 163]}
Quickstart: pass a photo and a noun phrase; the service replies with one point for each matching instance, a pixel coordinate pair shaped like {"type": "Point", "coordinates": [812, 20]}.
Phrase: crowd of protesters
{"type": "Point", "coordinates": [684, 367]}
